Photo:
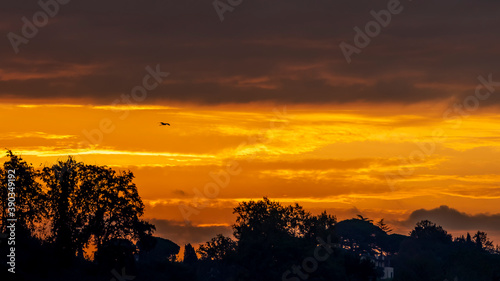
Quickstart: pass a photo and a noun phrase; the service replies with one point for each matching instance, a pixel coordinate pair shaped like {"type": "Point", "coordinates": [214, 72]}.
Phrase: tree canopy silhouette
{"type": "Point", "coordinates": [189, 254]}
{"type": "Point", "coordinates": [92, 204]}
{"type": "Point", "coordinates": [428, 230]}
{"type": "Point", "coordinates": [218, 249]}
{"type": "Point", "coordinates": [483, 242]}
{"type": "Point", "coordinates": [73, 205]}
{"type": "Point", "coordinates": [30, 207]}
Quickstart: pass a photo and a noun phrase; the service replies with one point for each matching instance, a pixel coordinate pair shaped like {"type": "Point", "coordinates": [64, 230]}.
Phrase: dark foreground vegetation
{"type": "Point", "coordinates": [63, 209]}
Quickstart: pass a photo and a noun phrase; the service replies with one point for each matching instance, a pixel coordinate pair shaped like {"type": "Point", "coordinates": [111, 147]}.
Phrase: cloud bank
{"type": "Point", "coordinates": [281, 51]}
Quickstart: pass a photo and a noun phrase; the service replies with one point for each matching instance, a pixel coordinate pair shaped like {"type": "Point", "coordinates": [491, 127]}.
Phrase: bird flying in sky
{"type": "Point", "coordinates": [164, 124]}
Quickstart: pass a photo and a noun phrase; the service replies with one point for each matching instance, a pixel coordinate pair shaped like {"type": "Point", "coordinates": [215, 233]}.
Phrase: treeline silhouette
{"type": "Point", "coordinates": [63, 209]}
{"type": "Point", "coordinates": [71, 207]}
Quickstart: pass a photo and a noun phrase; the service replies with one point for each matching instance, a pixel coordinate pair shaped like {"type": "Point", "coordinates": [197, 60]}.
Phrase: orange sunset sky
{"type": "Point", "coordinates": [338, 158]}
{"type": "Point", "coordinates": [404, 132]}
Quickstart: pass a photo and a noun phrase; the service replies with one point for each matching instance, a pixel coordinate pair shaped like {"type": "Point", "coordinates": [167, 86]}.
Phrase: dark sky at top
{"type": "Point", "coordinates": [282, 50]}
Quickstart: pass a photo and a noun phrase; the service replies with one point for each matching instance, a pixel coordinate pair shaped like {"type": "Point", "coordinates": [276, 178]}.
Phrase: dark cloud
{"type": "Point", "coordinates": [285, 51]}
{"type": "Point", "coordinates": [179, 192]}
{"type": "Point", "coordinates": [452, 219]}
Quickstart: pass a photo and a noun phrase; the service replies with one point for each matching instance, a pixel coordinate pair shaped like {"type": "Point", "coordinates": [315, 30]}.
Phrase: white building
{"type": "Point", "coordinates": [382, 262]}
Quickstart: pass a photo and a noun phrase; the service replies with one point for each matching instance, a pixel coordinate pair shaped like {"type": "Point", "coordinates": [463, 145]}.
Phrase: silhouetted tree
{"type": "Point", "coordinates": [459, 239]}
{"type": "Point", "coordinates": [360, 236]}
{"type": "Point", "coordinates": [268, 235]}
{"type": "Point", "coordinates": [29, 204]}
{"type": "Point", "coordinates": [321, 225]}
{"type": "Point", "coordinates": [190, 256]}
{"type": "Point", "coordinates": [218, 249]}
{"type": "Point", "coordinates": [91, 203]}
{"type": "Point", "coordinates": [116, 253]}
{"type": "Point", "coordinates": [30, 209]}
{"type": "Point", "coordinates": [468, 239]}
{"type": "Point", "coordinates": [428, 230]}
{"type": "Point", "coordinates": [483, 242]}
{"type": "Point", "coordinates": [364, 219]}
{"type": "Point", "coordinates": [61, 180]}
{"type": "Point", "coordinates": [273, 237]}
{"type": "Point", "coordinates": [382, 225]}
{"type": "Point", "coordinates": [262, 216]}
